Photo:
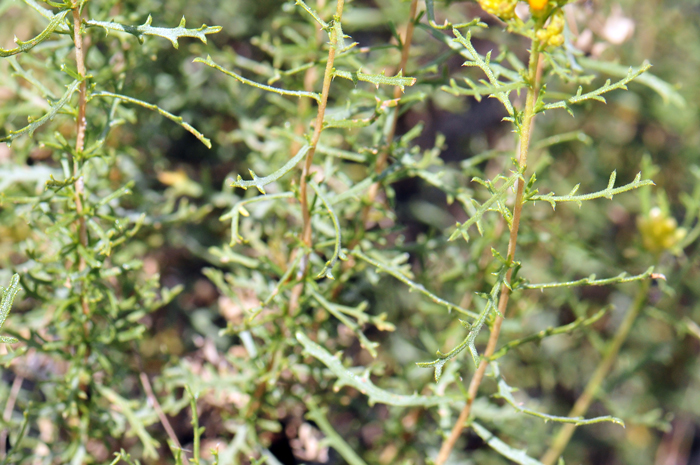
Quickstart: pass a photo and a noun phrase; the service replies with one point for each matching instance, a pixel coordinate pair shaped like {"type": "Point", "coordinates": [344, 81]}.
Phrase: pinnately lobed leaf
{"type": "Point", "coordinates": [172, 34]}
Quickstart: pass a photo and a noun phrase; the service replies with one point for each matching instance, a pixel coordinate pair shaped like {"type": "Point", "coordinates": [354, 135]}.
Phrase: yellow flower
{"type": "Point", "coordinates": [659, 231]}
{"type": "Point", "coordinates": [538, 5]}
{"type": "Point", "coordinates": [504, 9]}
{"type": "Point", "coordinates": [553, 33]}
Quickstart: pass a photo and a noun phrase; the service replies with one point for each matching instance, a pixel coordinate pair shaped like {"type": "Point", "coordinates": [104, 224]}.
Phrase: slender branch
{"type": "Point", "coordinates": [148, 389]}
{"type": "Point", "coordinates": [80, 62]}
{"type": "Point", "coordinates": [384, 154]}
{"type": "Point", "coordinates": [327, 78]}
{"type": "Point", "coordinates": [80, 145]}
{"type": "Point", "coordinates": [524, 130]}
{"type": "Point", "coordinates": [584, 401]}
{"type": "Point", "coordinates": [306, 234]}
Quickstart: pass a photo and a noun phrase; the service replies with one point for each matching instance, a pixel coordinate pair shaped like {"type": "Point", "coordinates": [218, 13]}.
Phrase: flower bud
{"type": "Point", "coordinates": [659, 231]}
{"type": "Point", "coordinates": [504, 9]}
{"type": "Point", "coordinates": [553, 34]}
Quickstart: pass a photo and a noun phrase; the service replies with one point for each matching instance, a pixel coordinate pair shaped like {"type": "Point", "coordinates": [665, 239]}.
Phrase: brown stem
{"type": "Point", "coordinates": [80, 137]}
{"type": "Point", "coordinates": [525, 130]}
{"type": "Point", "coordinates": [148, 389]}
{"type": "Point", "coordinates": [327, 78]}
{"type": "Point", "coordinates": [310, 77]}
{"type": "Point", "coordinates": [306, 234]}
{"type": "Point", "coordinates": [81, 125]}
{"type": "Point", "coordinates": [584, 401]}
{"type": "Point", "coordinates": [384, 154]}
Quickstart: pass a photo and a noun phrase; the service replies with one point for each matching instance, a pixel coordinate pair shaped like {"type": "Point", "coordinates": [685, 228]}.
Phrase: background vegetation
{"type": "Point", "coordinates": [144, 315]}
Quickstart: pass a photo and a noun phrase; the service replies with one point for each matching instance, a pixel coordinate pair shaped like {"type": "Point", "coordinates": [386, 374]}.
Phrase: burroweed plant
{"type": "Point", "coordinates": [320, 256]}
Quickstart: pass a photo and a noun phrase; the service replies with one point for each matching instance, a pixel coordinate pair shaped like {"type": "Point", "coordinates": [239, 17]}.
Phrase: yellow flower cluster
{"type": "Point", "coordinates": [553, 33]}
{"type": "Point", "coordinates": [504, 9]}
{"type": "Point", "coordinates": [659, 231]}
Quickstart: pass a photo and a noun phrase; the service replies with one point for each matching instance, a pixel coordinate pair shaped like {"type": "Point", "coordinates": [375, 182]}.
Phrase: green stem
{"type": "Point", "coordinates": [524, 131]}
{"type": "Point", "coordinates": [584, 401]}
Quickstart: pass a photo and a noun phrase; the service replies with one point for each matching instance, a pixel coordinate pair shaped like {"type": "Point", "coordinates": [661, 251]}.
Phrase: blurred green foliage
{"type": "Point", "coordinates": [163, 292]}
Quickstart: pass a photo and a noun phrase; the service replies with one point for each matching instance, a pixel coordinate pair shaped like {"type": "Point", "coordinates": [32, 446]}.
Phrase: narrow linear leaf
{"type": "Point", "coordinates": [294, 93]}
{"type": "Point", "coordinates": [362, 383]}
{"type": "Point", "coordinates": [607, 193]}
{"type": "Point", "coordinates": [124, 190]}
{"type": "Point", "coordinates": [33, 126]}
{"type": "Point", "coordinates": [661, 87]}
{"type": "Point", "coordinates": [474, 329]}
{"type": "Point", "coordinates": [596, 94]}
{"type": "Point", "coordinates": [239, 209]}
{"type": "Point", "coordinates": [45, 91]}
{"type": "Point", "coordinates": [477, 91]}
{"type": "Point", "coordinates": [580, 322]}
{"type": "Point", "coordinates": [7, 298]}
{"type": "Point", "coordinates": [376, 79]}
{"type": "Point", "coordinates": [341, 312]}
{"type": "Point", "coordinates": [505, 393]}
{"type": "Point", "coordinates": [282, 281]}
{"type": "Point", "coordinates": [167, 114]}
{"type": "Point", "coordinates": [22, 47]}
{"type": "Point", "coordinates": [348, 123]}
{"type": "Point", "coordinates": [496, 202]}
{"type": "Point", "coordinates": [333, 439]}
{"type": "Point", "coordinates": [518, 456]}
{"type": "Point", "coordinates": [314, 15]}
{"type": "Point", "coordinates": [396, 273]}
{"type": "Point", "coordinates": [497, 69]}
{"type": "Point", "coordinates": [430, 9]}
{"type": "Point", "coordinates": [260, 183]}
{"type": "Point", "coordinates": [338, 253]}
{"type": "Point", "coordinates": [579, 136]}
{"type": "Point", "coordinates": [48, 14]}
{"type": "Point", "coordinates": [124, 407]}
{"type": "Point", "coordinates": [172, 34]}
{"type": "Point", "coordinates": [484, 63]}
{"type": "Point", "coordinates": [592, 281]}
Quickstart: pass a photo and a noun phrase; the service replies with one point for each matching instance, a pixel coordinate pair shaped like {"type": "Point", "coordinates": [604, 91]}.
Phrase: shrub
{"type": "Point", "coordinates": [341, 239]}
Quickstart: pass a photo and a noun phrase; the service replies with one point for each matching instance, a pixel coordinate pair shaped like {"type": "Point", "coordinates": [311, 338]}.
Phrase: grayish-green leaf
{"type": "Point", "coordinates": [333, 439]}
{"type": "Point", "coordinates": [518, 456]}
{"type": "Point", "coordinates": [362, 383]}
{"type": "Point", "coordinates": [485, 65]}
{"type": "Point", "coordinates": [474, 329]}
{"type": "Point", "coordinates": [172, 34]}
{"type": "Point", "coordinates": [45, 34]}
{"type": "Point", "coordinates": [606, 193]}
{"type": "Point", "coordinates": [260, 183]}
{"type": "Point", "coordinates": [294, 93]}
{"type": "Point", "coordinates": [580, 97]}
{"type": "Point", "coordinates": [661, 87]}
{"type": "Point", "coordinates": [580, 322]}
{"type": "Point", "coordinates": [497, 202]}
{"type": "Point", "coordinates": [239, 209]}
{"type": "Point", "coordinates": [7, 298]}
{"type": "Point", "coordinates": [124, 407]}
{"type": "Point", "coordinates": [592, 281]}
{"type": "Point", "coordinates": [376, 79]}
{"type": "Point", "coordinates": [150, 106]}
{"type": "Point", "coordinates": [337, 250]}
{"type": "Point", "coordinates": [34, 125]}
{"type": "Point", "coordinates": [505, 392]}
{"type": "Point", "coordinates": [398, 274]}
